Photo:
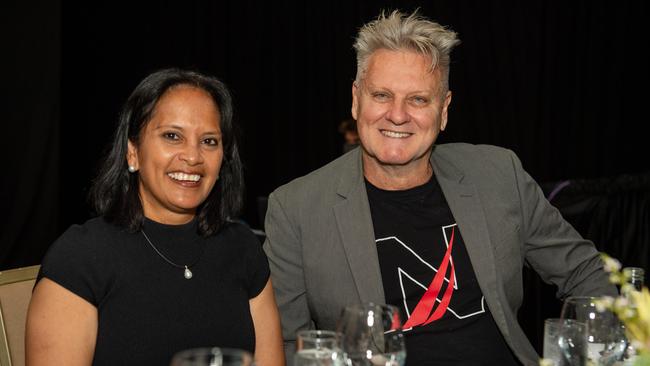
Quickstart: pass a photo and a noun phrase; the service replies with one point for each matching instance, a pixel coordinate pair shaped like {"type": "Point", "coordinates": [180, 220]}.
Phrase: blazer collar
{"type": "Point", "coordinates": [465, 204]}
{"type": "Point", "coordinates": [351, 177]}
{"type": "Point", "coordinates": [356, 230]}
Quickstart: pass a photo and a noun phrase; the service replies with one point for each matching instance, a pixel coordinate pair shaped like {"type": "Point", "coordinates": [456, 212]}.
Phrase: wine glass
{"type": "Point", "coordinates": [372, 335]}
{"type": "Point", "coordinates": [318, 348]}
{"type": "Point", "coordinates": [603, 341]}
{"type": "Point", "coordinates": [212, 356]}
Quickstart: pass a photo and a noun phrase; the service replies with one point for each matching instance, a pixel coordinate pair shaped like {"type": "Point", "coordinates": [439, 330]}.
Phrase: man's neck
{"type": "Point", "coordinates": [397, 177]}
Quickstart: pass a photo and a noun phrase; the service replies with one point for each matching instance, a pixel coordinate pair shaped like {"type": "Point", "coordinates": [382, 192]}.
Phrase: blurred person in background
{"type": "Point", "coordinates": [348, 129]}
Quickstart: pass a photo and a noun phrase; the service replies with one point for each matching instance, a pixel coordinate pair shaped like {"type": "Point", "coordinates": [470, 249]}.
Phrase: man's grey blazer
{"type": "Point", "coordinates": [321, 245]}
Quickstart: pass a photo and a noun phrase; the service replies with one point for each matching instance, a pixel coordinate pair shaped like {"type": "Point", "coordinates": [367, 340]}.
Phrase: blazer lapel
{"type": "Point", "coordinates": [465, 205]}
{"type": "Point", "coordinates": [357, 234]}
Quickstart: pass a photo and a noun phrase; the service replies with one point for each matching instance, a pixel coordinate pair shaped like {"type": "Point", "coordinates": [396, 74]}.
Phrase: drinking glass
{"type": "Point", "coordinates": [318, 348]}
{"type": "Point", "coordinates": [213, 356]}
{"type": "Point", "coordinates": [636, 276]}
{"type": "Point", "coordinates": [558, 330]}
{"type": "Point", "coordinates": [564, 334]}
{"type": "Point", "coordinates": [604, 334]}
{"type": "Point", "coordinates": [372, 335]}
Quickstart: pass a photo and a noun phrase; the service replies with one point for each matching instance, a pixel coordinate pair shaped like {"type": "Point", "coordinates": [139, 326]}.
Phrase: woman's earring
{"type": "Point", "coordinates": [131, 169]}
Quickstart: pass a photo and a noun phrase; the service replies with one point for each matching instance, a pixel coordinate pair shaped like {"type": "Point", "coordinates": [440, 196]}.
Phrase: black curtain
{"type": "Point", "coordinates": [31, 143]}
{"type": "Point", "coordinates": [563, 84]}
{"type": "Point", "coordinates": [612, 212]}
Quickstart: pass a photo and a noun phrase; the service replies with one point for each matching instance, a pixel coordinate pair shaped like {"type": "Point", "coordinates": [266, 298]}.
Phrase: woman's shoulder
{"type": "Point", "coordinates": [238, 232]}
{"type": "Point", "coordinates": [82, 259]}
{"type": "Point", "coordinates": [91, 236]}
{"type": "Point", "coordinates": [95, 225]}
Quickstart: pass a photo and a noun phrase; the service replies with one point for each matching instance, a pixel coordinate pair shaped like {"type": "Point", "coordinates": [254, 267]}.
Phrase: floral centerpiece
{"type": "Point", "coordinates": [632, 307]}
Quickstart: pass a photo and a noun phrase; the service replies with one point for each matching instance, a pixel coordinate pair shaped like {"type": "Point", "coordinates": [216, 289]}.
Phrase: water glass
{"type": "Point", "coordinates": [212, 356]}
{"type": "Point", "coordinates": [372, 335]}
{"type": "Point", "coordinates": [604, 333]}
{"type": "Point", "coordinates": [564, 334]}
{"type": "Point", "coordinates": [318, 348]}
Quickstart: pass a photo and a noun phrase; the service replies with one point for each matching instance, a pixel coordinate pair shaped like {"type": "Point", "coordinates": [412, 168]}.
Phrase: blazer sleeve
{"type": "Point", "coordinates": [284, 251]}
{"type": "Point", "coordinates": [555, 250]}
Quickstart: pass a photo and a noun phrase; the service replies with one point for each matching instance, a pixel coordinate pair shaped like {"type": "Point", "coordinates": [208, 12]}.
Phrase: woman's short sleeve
{"type": "Point", "coordinates": [257, 265]}
{"type": "Point", "coordinates": [77, 262]}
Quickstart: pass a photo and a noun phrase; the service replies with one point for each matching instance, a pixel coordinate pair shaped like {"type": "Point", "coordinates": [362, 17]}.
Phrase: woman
{"type": "Point", "coordinates": [162, 268]}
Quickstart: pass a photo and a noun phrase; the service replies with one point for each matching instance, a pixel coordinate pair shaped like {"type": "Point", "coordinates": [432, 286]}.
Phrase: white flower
{"type": "Point", "coordinates": [616, 278]}
{"type": "Point", "coordinates": [628, 313]}
{"type": "Point", "coordinates": [546, 362]}
{"type": "Point", "coordinates": [621, 302]}
{"type": "Point", "coordinates": [611, 264]}
{"type": "Point", "coordinates": [627, 287]}
{"type": "Point", "coordinates": [636, 344]}
{"type": "Point", "coordinates": [604, 303]}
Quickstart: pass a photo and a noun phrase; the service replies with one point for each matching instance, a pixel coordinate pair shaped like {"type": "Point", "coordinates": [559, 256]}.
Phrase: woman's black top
{"type": "Point", "coordinates": [147, 309]}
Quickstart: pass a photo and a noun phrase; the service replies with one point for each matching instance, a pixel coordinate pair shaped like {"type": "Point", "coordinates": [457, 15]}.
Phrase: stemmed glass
{"type": "Point", "coordinates": [372, 335]}
{"type": "Point", "coordinates": [603, 341]}
{"type": "Point", "coordinates": [318, 348]}
{"type": "Point", "coordinates": [212, 356]}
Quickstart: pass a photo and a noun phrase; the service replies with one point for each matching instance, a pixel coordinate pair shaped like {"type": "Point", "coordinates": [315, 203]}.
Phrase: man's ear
{"type": "Point", "coordinates": [355, 101]}
{"type": "Point", "coordinates": [443, 113]}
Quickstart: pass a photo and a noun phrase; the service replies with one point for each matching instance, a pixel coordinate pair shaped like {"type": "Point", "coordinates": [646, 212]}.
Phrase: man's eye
{"type": "Point", "coordinates": [420, 100]}
{"type": "Point", "coordinates": [380, 96]}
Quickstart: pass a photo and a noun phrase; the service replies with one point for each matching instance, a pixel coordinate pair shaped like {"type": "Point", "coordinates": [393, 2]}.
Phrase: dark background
{"type": "Point", "coordinates": [563, 84]}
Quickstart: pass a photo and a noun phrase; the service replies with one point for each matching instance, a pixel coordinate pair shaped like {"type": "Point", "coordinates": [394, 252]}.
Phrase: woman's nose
{"type": "Point", "coordinates": [192, 154]}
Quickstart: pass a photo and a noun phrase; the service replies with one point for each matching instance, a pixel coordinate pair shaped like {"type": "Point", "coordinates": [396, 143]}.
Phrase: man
{"type": "Point", "coordinates": [402, 221]}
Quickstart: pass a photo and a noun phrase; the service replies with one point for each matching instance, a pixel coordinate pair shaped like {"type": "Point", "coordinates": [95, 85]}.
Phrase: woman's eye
{"type": "Point", "coordinates": [171, 135]}
{"type": "Point", "coordinates": [211, 141]}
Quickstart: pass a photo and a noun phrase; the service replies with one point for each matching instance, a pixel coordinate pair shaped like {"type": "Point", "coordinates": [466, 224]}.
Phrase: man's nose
{"type": "Point", "coordinates": [398, 114]}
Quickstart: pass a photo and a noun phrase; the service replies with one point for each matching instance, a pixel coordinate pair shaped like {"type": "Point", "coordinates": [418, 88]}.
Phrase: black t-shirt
{"type": "Point", "coordinates": [413, 230]}
{"type": "Point", "coordinates": [147, 309]}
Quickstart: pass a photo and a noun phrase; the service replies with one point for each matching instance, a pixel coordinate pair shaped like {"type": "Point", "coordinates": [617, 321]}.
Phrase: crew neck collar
{"type": "Point", "coordinates": [154, 226]}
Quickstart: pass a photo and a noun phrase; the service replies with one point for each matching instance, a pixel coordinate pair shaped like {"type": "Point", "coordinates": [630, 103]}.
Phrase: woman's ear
{"type": "Point", "coordinates": [132, 157]}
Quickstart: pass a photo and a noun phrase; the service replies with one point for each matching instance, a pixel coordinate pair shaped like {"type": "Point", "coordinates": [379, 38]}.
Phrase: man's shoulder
{"type": "Point", "coordinates": [325, 178]}
{"type": "Point", "coordinates": [459, 150]}
{"type": "Point", "coordinates": [469, 157]}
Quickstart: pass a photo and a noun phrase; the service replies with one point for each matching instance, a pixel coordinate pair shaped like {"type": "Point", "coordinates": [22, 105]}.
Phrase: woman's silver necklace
{"type": "Point", "coordinates": [187, 273]}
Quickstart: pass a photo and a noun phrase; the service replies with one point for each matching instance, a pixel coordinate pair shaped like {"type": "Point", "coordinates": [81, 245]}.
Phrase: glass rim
{"type": "Point", "coordinates": [582, 297]}
{"type": "Point", "coordinates": [317, 333]}
{"type": "Point", "coordinates": [368, 305]}
{"type": "Point", "coordinates": [562, 321]}
{"type": "Point", "coordinates": [225, 351]}
{"type": "Point", "coordinates": [634, 270]}
{"type": "Point", "coordinates": [552, 320]}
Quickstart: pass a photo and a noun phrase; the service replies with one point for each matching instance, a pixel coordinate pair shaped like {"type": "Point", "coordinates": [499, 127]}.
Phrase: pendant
{"type": "Point", "coordinates": [187, 273]}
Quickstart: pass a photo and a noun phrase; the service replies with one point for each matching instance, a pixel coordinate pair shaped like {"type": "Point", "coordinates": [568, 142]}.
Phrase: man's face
{"type": "Point", "coordinates": [398, 109]}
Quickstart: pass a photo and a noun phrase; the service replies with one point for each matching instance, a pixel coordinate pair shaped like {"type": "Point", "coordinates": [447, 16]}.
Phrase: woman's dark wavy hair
{"type": "Point", "coordinates": [115, 191]}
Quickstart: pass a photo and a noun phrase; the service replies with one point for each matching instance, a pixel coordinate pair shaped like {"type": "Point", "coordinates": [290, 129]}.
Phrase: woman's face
{"type": "Point", "coordinates": [179, 155]}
